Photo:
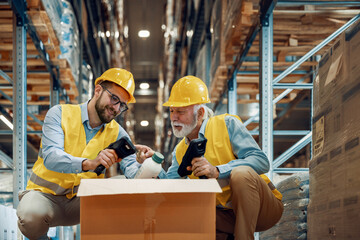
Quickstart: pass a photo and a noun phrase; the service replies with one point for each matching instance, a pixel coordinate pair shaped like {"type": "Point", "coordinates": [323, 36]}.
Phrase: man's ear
{"type": "Point", "coordinates": [97, 90]}
{"type": "Point", "coordinates": [201, 113]}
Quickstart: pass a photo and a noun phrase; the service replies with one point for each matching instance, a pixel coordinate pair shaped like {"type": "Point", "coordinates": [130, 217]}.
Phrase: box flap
{"type": "Point", "coordinates": [90, 187]}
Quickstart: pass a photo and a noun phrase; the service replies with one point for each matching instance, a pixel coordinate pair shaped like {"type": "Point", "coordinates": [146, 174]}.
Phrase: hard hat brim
{"type": "Point", "coordinates": [181, 104]}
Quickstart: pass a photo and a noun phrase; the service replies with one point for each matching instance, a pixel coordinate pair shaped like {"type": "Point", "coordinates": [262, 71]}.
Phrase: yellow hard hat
{"type": "Point", "coordinates": [122, 78]}
{"type": "Point", "coordinates": [188, 91]}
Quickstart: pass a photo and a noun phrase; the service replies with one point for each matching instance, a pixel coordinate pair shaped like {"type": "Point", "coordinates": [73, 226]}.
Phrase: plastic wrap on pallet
{"type": "Point", "coordinates": [293, 222]}
{"type": "Point", "coordinates": [54, 9]}
{"type": "Point", "coordinates": [8, 223]}
{"type": "Point", "coordinates": [294, 181]}
{"type": "Point", "coordinates": [87, 78]}
{"type": "Point", "coordinates": [295, 216]}
{"type": "Point", "coordinates": [288, 236]}
{"type": "Point", "coordinates": [296, 193]}
{"type": "Point", "coordinates": [6, 185]}
{"type": "Point", "coordinates": [297, 204]}
{"type": "Point", "coordinates": [69, 39]}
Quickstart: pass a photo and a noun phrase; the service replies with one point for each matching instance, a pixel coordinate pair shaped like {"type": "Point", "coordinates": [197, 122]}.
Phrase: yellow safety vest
{"type": "Point", "coordinates": [57, 183]}
{"type": "Point", "coordinates": [218, 152]}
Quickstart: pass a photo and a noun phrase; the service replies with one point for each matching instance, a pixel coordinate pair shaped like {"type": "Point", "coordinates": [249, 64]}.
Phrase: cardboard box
{"type": "Point", "coordinates": [160, 209]}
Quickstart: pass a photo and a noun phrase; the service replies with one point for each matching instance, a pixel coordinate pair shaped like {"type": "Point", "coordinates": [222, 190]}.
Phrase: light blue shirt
{"type": "Point", "coordinates": [56, 159]}
{"type": "Point", "coordinates": [244, 148]}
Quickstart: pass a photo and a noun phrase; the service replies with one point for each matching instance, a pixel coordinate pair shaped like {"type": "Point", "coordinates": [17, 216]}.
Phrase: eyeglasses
{"type": "Point", "coordinates": [115, 100]}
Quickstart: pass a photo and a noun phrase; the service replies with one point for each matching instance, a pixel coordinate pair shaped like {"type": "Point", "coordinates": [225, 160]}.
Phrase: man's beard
{"type": "Point", "coordinates": [101, 112]}
{"type": "Point", "coordinates": [185, 130]}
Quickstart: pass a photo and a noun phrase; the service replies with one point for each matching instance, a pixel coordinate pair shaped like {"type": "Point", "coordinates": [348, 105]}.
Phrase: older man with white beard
{"type": "Point", "coordinates": [249, 201]}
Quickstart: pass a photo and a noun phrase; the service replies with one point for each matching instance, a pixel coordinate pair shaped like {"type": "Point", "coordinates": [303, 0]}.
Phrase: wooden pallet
{"type": "Point", "coordinates": [45, 31]}
{"type": "Point", "coordinates": [42, 24]}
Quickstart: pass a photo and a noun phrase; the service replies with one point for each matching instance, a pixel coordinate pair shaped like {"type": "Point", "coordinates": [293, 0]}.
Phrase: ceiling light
{"type": "Point", "coordinates": [144, 85]}
{"type": "Point", "coordinates": [107, 34]}
{"type": "Point", "coordinates": [189, 33]}
{"type": "Point", "coordinates": [144, 33]}
{"type": "Point", "coordinates": [126, 31]}
{"type": "Point", "coordinates": [7, 122]}
{"type": "Point", "coordinates": [163, 27]}
{"type": "Point", "coordinates": [144, 123]}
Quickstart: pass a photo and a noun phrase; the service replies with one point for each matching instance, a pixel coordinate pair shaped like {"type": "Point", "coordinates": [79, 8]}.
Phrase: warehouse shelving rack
{"type": "Point", "coordinates": [261, 31]}
{"type": "Point", "coordinates": [267, 83]}
{"type": "Point", "coordinates": [23, 26]}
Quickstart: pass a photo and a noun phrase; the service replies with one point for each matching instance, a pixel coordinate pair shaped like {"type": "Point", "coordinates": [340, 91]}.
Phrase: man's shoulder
{"type": "Point", "coordinates": [54, 110]}
{"type": "Point", "coordinates": [226, 118]}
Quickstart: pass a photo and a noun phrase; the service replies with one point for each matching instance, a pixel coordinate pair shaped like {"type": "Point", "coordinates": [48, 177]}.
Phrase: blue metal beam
{"type": "Point", "coordinates": [28, 113]}
{"type": "Point", "coordinates": [6, 86]}
{"type": "Point", "coordinates": [285, 132]}
{"type": "Point", "coordinates": [293, 86]}
{"type": "Point", "coordinates": [6, 77]}
{"type": "Point", "coordinates": [10, 132]}
{"type": "Point", "coordinates": [266, 10]}
{"type": "Point", "coordinates": [292, 150]}
{"type": "Point", "coordinates": [247, 72]}
{"type": "Point", "coordinates": [19, 8]}
{"type": "Point", "coordinates": [35, 118]}
{"type": "Point", "coordinates": [19, 118]}
{"type": "Point", "coordinates": [6, 159]}
{"type": "Point", "coordinates": [266, 90]}
{"type": "Point", "coordinates": [287, 91]}
{"type": "Point", "coordinates": [290, 170]}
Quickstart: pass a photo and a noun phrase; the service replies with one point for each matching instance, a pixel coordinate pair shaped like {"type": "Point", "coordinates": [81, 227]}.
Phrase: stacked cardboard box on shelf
{"type": "Point", "coordinates": [334, 170]}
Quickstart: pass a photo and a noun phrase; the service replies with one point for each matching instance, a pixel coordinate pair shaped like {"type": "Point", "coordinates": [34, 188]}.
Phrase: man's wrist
{"type": "Point", "coordinates": [85, 165]}
{"type": "Point", "coordinates": [217, 172]}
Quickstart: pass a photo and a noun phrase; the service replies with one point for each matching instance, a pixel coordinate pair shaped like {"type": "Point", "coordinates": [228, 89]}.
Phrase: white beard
{"type": "Point", "coordinates": [185, 130]}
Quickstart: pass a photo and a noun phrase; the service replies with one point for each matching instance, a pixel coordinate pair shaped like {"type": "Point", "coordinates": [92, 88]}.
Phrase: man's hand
{"type": "Point", "coordinates": [106, 157]}
{"type": "Point", "coordinates": [144, 152]}
{"type": "Point", "coordinates": [201, 167]}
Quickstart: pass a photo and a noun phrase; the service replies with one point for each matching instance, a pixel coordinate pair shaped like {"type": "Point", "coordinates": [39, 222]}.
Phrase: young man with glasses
{"type": "Point", "coordinates": [72, 145]}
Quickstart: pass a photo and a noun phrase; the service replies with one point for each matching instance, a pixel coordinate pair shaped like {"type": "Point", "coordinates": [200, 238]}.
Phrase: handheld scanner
{"type": "Point", "coordinates": [123, 148]}
{"type": "Point", "coordinates": [196, 149]}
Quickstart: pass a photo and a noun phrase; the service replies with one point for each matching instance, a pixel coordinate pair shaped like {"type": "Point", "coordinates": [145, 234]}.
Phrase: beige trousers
{"type": "Point", "coordinates": [255, 208]}
{"type": "Point", "coordinates": [38, 211]}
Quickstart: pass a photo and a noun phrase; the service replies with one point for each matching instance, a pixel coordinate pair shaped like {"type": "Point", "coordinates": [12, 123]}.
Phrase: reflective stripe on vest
{"type": "Point", "coordinates": [57, 183]}
{"type": "Point", "coordinates": [218, 152]}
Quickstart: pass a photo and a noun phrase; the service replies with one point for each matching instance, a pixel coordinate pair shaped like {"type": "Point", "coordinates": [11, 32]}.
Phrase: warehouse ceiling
{"type": "Point", "coordinates": [146, 55]}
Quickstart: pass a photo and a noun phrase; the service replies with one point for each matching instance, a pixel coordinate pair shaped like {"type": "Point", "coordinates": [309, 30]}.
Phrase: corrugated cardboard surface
{"type": "Point", "coordinates": [147, 209]}
{"type": "Point", "coordinates": [111, 186]}
{"type": "Point", "coordinates": [334, 208]}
